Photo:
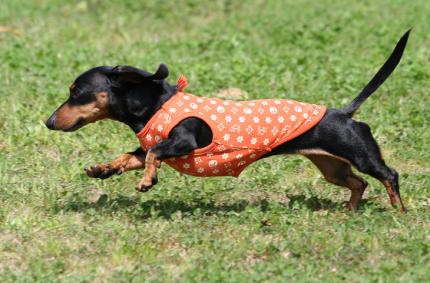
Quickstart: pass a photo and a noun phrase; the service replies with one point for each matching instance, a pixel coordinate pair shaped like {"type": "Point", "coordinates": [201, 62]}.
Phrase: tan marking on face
{"type": "Point", "coordinates": [92, 112]}
{"type": "Point", "coordinates": [72, 86]}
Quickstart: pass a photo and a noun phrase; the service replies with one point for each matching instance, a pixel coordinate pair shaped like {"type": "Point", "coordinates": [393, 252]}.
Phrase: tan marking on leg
{"type": "Point", "coordinates": [356, 185]}
{"type": "Point", "coordinates": [393, 196]}
{"type": "Point", "coordinates": [151, 164]}
{"type": "Point", "coordinates": [124, 162]}
{"type": "Point", "coordinates": [339, 172]}
{"type": "Point", "coordinates": [356, 190]}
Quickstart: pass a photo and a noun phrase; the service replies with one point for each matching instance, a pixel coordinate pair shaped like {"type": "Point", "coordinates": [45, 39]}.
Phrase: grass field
{"type": "Point", "coordinates": [280, 221]}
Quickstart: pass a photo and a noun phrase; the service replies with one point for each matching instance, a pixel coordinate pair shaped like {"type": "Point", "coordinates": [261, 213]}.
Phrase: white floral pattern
{"type": "Point", "coordinates": [243, 131]}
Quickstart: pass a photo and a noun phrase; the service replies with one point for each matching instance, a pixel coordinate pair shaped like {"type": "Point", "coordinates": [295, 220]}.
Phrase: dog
{"type": "Point", "coordinates": [198, 136]}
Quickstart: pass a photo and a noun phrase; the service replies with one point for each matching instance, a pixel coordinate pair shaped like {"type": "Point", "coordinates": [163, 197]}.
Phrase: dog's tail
{"type": "Point", "coordinates": [379, 78]}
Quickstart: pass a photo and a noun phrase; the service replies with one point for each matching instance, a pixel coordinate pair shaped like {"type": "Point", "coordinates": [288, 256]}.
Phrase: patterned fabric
{"type": "Point", "coordinates": [242, 131]}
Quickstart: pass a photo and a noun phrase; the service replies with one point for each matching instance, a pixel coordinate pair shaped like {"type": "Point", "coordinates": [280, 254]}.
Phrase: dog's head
{"type": "Point", "coordinates": [93, 95]}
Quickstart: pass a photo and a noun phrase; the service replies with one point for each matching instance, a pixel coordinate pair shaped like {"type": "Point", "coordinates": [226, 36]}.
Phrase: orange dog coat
{"type": "Point", "coordinates": [242, 131]}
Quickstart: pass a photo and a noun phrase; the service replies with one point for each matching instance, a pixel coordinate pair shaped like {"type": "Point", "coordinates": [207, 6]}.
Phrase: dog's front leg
{"type": "Point", "coordinates": [126, 162]}
{"type": "Point", "coordinates": [165, 149]}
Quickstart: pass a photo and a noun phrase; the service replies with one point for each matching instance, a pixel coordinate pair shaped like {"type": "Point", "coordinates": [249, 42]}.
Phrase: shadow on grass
{"type": "Point", "coordinates": [167, 207]}
{"type": "Point", "coordinates": [162, 208]}
{"type": "Point", "coordinates": [300, 202]}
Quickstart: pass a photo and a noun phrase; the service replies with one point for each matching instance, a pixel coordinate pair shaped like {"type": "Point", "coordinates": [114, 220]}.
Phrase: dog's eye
{"type": "Point", "coordinates": [78, 92]}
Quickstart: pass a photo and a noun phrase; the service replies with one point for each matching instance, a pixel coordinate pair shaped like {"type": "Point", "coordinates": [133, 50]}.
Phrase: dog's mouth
{"type": "Point", "coordinates": [78, 124]}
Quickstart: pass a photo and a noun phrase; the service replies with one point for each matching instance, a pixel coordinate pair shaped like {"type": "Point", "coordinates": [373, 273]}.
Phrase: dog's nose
{"type": "Point", "coordinates": [50, 123]}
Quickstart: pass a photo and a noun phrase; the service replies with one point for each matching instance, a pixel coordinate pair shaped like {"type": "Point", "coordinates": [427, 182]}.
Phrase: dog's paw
{"type": "Point", "coordinates": [143, 187]}
{"type": "Point", "coordinates": [102, 171]}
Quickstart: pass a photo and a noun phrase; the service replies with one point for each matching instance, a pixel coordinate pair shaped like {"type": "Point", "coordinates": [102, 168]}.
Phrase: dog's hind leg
{"type": "Point", "coordinates": [339, 172]}
{"type": "Point", "coordinates": [386, 175]}
{"type": "Point", "coordinates": [364, 154]}
{"type": "Point", "coordinates": [391, 183]}
{"type": "Point", "coordinates": [366, 157]}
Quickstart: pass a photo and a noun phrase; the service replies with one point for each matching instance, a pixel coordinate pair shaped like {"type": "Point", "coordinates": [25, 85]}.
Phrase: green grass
{"type": "Point", "coordinates": [58, 225]}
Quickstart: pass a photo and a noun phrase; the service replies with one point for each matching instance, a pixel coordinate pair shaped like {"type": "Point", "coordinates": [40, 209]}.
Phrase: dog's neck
{"type": "Point", "coordinates": [135, 104]}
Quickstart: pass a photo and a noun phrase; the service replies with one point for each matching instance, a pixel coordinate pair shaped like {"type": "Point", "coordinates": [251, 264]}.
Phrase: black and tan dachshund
{"type": "Point", "coordinates": [133, 96]}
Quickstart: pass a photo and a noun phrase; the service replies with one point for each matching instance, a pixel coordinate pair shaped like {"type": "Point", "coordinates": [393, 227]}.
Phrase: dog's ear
{"type": "Point", "coordinates": [130, 74]}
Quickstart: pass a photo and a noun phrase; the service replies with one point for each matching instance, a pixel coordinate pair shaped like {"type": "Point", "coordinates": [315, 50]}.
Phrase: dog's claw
{"type": "Point", "coordinates": [96, 171]}
{"type": "Point", "coordinates": [105, 174]}
{"type": "Point", "coordinates": [143, 188]}
{"type": "Point", "coordinates": [89, 172]}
